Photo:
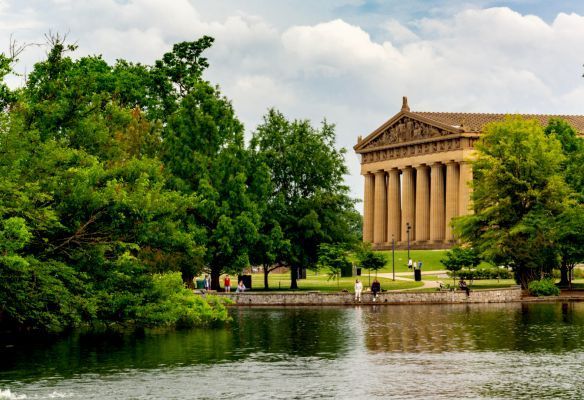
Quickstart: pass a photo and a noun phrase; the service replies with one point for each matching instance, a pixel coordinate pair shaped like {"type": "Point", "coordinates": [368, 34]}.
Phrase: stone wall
{"type": "Point", "coordinates": [406, 297]}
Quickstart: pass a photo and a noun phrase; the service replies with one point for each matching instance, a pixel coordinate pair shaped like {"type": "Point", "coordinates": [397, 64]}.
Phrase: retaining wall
{"type": "Point", "coordinates": [318, 298]}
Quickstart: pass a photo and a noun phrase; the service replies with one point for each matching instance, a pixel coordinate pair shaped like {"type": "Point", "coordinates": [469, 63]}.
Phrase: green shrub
{"type": "Point", "coordinates": [169, 303]}
{"type": "Point", "coordinates": [544, 287]}
{"type": "Point", "coordinates": [484, 273]}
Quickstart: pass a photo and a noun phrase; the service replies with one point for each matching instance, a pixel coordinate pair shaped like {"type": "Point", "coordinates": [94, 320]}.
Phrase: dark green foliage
{"type": "Point", "coordinates": [116, 181]}
{"type": "Point", "coordinates": [482, 273]}
{"type": "Point", "coordinates": [370, 260]}
{"type": "Point", "coordinates": [334, 258]}
{"type": "Point", "coordinates": [89, 220]}
{"type": "Point", "coordinates": [519, 193]}
{"type": "Point", "coordinates": [308, 198]}
{"type": "Point", "coordinates": [459, 257]}
{"type": "Point", "coordinates": [544, 287]}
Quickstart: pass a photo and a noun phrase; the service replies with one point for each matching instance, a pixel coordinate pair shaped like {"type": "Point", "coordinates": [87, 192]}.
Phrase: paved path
{"type": "Point", "coordinates": [408, 276]}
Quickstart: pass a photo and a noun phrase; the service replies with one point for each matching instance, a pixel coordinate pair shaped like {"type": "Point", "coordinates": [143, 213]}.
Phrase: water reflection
{"type": "Point", "coordinates": [382, 349]}
{"type": "Point", "coordinates": [489, 327]}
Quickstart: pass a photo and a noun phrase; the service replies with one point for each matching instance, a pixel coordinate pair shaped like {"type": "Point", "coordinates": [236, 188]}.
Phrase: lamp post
{"type": "Point", "coordinates": [393, 256]}
{"type": "Point", "coordinates": [408, 227]}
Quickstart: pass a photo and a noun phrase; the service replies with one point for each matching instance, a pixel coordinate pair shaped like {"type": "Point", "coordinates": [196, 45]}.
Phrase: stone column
{"type": "Point", "coordinates": [437, 212]}
{"type": "Point", "coordinates": [393, 206]}
{"type": "Point", "coordinates": [464, 203]}
{"type": "Point", "coordinates": [368, 204]}
{"type": "Point", "coordinates": [422, 203]}
{"type": "Point", "coordinates": [380, 213]}
{"type": "Point", "coordinates": [408, 203]}
{"type": "Point", "coordinates": [452, 188]}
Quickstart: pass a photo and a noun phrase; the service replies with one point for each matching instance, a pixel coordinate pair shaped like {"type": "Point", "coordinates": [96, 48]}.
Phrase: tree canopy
{"type": "Point", "coordinates": [309, 200]}
{"type": "Point", "coordinates": [120, 183]}
{"type": "Point", "coordinates": [520, 194]}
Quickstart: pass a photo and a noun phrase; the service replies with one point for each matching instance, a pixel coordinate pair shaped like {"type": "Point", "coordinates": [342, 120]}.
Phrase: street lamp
{"type": "Point", "coordinates": [408, 227]}
{"type": "Point", "coordinates": [393, 256]}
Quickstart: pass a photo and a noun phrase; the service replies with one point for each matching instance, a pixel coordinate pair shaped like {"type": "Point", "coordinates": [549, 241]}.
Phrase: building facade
{"type": "Point", "coordinates": [417, 175]}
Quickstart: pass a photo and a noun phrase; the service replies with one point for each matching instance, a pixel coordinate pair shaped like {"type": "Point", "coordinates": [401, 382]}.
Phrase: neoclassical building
{"type": "Point", "coordinates": [417, 174]}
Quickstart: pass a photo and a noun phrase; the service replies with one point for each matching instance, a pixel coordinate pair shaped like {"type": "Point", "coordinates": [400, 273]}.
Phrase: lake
{"type": "Point", "coordinates": [495, 351]}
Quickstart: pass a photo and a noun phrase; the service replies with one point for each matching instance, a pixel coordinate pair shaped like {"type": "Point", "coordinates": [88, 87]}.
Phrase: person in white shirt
{"type": "Point", "coordinates": [410, 263]}
{"type": "Point", "coordinates": [358, 290]}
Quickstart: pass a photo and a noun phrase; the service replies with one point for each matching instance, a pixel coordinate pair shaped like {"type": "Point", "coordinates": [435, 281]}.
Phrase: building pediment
{"type": "Point", "coordinates": [405, 127]}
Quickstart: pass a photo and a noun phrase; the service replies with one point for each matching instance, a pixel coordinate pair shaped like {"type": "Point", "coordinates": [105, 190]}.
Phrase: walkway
{"type": "Point", "coordinates": [403, 276]}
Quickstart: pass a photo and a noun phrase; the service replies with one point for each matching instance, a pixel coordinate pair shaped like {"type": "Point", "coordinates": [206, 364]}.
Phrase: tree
{"type": "Point", "coordinates": [570, 241]}
{"type": "Point", "coordinates": [334, 258]}
{"type": "Point", "coordinates": [370, 260]}
{"type": "Point", "coordinates": [573, 149]}
{"type": "Point", "coordinates": [459, 257]}
{"type": "Point", "coordinates": [106, 223]}
{"type": "Point", "coordinates": [570, 224]}
{"type": "Point", "coordinates": [309, 199]}
{"type": "Point", "coordinates": [519, 191]}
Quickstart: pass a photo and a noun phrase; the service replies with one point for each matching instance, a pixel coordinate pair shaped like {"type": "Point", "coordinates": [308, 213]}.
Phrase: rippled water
{"type": "Point", "coordinates": [501, 351]}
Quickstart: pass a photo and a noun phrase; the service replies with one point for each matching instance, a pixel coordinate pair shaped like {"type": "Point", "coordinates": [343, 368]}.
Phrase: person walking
{"type": "Point", "coordinates": [419, 265]}
{"type": "Point", "coordinates": [410, 263]}
{"type": "Point", "coordinates": [358, 290]}
{"type": "Point", "coordinates": [227, 283]}
{"type": "Point", "coordinates": [375, 288]}
{"type": "Point", "coordinates": [207, 282]}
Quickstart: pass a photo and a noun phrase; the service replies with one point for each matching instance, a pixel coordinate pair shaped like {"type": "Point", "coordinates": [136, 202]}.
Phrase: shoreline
{"type": "Point", "coordinates": [316, 298]}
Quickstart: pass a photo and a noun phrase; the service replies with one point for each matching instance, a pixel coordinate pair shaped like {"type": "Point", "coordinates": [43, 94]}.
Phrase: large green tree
{"type": "Point", "coordinates": [519, 192]}
{"type": "Point", "coordinates": [309, 199]}
{"type": "Point", "coordinates": [570, 225]}
{"type": "Point", "coordinates": [103, 221]}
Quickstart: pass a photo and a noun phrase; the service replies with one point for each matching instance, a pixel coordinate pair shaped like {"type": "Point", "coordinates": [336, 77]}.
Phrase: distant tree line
{"type": "Point", "coordinates": [120, 183]}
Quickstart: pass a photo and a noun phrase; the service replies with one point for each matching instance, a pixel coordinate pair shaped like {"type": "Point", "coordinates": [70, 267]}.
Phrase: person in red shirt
{"type": "Point", "coordinates": [227, 283]}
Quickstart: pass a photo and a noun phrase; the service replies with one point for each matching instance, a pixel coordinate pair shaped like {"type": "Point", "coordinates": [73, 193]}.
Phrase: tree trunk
{"type": "Point", "coordinates": [215, 274]}
{"type": "Point", "coordinates": [266, 272]}
{"type": "Point", "coordinates": [188, 278]}
{"type": "Point", "coordinates": [293, 277]}
{"type": "Point", "coordinates": [564, 276]}
{"type": "Point", "coordinates": [525, 275]}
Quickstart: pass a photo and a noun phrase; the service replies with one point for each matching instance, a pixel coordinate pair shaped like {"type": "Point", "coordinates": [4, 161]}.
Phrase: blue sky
{"type": "Point", "coordinates": [348, 61]}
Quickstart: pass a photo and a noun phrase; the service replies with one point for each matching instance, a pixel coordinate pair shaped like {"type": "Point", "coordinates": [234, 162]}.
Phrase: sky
{"type": "Point", "coordinates": [346, 61]}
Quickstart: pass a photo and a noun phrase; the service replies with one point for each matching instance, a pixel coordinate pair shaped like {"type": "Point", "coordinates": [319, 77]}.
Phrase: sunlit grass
{"type": "Point", "coordinates": [322, 282]}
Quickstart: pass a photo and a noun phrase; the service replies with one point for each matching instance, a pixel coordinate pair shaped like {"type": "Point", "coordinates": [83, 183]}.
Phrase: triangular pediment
{"type": "Point", "coordinates": [405, 127]}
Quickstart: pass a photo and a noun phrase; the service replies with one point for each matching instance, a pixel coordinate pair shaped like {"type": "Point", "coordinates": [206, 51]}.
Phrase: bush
{"type": "Point", "coordinates": [169, 303]}
{"type": "Point", "coordinates": [544, 287]}
{"type": "Point", "coordinates": [483, 273]}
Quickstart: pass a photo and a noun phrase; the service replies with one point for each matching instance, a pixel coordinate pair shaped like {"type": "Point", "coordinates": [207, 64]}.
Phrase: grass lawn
{"type": "Point", "coordinates": [430, 260]}
{"type": "Point", "coordinates": [576, 283]}
{"type": "Point", "coordinates": [476, 284]}
{"type": "Point", "coordinates": [492, 283]}
{"type": "Point", "coordinates": [321, 282]}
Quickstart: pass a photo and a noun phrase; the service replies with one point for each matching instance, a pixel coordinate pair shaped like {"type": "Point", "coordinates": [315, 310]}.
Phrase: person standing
{"type": "Point", "coordinates": [375, 288]}
{"type": "Point", "coordinates": [358, 290]}
{"type": "Point", "coordinates": [227, 283]}
{"type": "Point", "coordinates": [410, 263]}
{"type": "Point", "coordinates": [419, 265]}
{"type": "Point", "coordinates": [207, 282]}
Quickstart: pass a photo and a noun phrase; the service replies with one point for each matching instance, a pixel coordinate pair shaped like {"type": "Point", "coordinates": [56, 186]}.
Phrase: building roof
{"type": "Point", "coordinates": [461, 122]}
{"type": "Point", "coordinates": [475, 122]}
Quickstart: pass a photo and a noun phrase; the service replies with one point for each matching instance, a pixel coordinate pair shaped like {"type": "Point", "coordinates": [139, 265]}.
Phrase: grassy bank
{"type": "Point", "coordinates": [322, 283]}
